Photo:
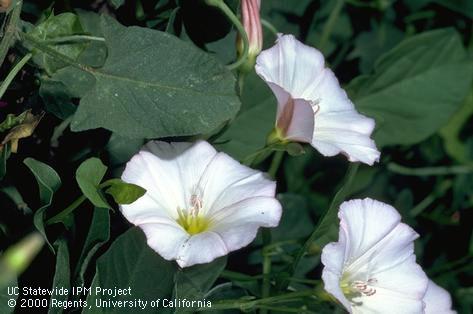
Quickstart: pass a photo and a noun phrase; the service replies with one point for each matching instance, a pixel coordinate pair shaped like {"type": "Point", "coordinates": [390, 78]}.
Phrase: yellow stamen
{"type": "Point", "coordinates": [192, 220]}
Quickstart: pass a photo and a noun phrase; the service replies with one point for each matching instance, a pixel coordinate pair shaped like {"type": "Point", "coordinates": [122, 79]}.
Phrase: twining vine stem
{"type": "Point", "coordinates": [232, 17]}
{"type": "Point", "coordinates": [17, 68]}
{"type": "Point", "coordinates": [69, 209]}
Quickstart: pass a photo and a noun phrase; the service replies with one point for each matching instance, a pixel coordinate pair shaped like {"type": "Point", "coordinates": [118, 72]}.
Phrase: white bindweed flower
{"type": "Point", "coordinates": [312, 107]}
{"type": "Point", "coordinates": [372, 267]}
{"type": "Point", "coordinates": [437, 300]}
{"type": "Point", "coordinates": [199, 204]}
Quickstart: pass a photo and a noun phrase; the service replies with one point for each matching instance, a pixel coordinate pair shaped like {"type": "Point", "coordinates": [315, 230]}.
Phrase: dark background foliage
{"type": "Point", "coordinates": [426, 169]}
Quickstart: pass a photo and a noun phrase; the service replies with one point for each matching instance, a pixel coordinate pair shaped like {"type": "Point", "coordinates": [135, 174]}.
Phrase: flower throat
{"type": "Point", "coordinates": [192, 219]}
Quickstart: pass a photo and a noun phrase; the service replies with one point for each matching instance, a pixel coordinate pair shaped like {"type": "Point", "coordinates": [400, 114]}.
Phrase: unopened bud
{"type": "Point", "coordinates": [250, 11]}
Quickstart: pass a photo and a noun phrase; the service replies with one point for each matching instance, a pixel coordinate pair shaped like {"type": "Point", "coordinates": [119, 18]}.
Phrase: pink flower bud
{"type": "Point", "coordinates": [252, 24]}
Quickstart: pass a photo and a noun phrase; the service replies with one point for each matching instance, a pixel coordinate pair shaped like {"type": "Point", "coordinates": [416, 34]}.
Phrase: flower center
{"type": "Point", "coordinates": [192, 219]}
{"type": "Point", "coordinates": [354, 288]}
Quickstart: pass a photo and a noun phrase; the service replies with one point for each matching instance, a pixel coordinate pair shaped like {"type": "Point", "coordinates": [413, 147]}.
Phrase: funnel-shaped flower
{"type": "Point", "coordinates": [312, 107]}
{"type": "Point", "coordinates": [437, 300]}
{"type": "Point", "coordinates": [372, 267]}
{"type": "Point", "coordinates": [199, 204]}
{"type": "Point", "coordinates": [252, 23]}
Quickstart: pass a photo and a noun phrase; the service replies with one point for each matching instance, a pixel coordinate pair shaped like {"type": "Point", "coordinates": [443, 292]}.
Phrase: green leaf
{"type": "Point", "coordinates": [62, 276]}
{"type": "Point", "coordinates": [369, 45]}
{"type": "Point", "coordinates": [283, 14]}
{"type": "Point", "coordinates": [124, 193]}
{"type": "Point", "coordinates": [95, 53]}
{"type": "Point", "coordinates": [99, 233]}
{"type": "Point", "coordinates": [56, 26]}
{"type": "Point", "coordinates": [121, 149]}
{"type": "Point", "coordinates": [194, 282]}
{"type": "Point", "coordinates": [454, 146]}
{"type": "Point", "coordinates": [250, 129]}
{"type": "Point", "coordinates": [15, 196]}
{"type": "Point", "coordinates": [341, 32]}
{"type": "Point", "coordinates": [56, 98]}
{"type": "Point", "coordinates": [138, 95]}
{"type": "Point", "coordinates": [295, 221]}
{"type": "Point", "coordinates": [130, 262]}
{"type": "Point", "coordinates": [4, 155]}
{"type": "Point", "coordinates": [117, 3]}
{"type": "Point", "coordinates": [10, 22]}
{"type": "Point", "coordinates": [415, 87]}
{"type": "Point", "coordinates": [48, 183]}
{"type": "Point", "coordinates": [464, 7]}
{"type": "Point", "coordinates": [89, 175]}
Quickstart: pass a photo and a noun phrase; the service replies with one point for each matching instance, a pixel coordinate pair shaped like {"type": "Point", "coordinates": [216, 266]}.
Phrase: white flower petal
{"type": "Point", "coordinates": [404, 283]}
{"type": "Point", "coordinates": [366, 222]}
{"type": "Point", "coordinates": [295, 117]}
{"type": "Point", "coordinates": [291, 65]}
{"type": "Point", "coordinates": [190, 190]}
{"type": "Point", "coordinates": [226, 181]}
{"type": "Point", "coordinates": [295, 71]}
{"type": "Point", "coordinates": [392, 250]}
{"type": "Point", "coordinates": [437, 300]}
{"type": "Point", "coordinates": [157, 177]}
{"type": "Point", "coordinates": [238, 223]}
{"type": "Point", "coordinates": [333, 257]}
{"type": "Point", "coordinates": [169, 172]}
{"type": "Point", "coordinates": [332, 286]}
{"type": "Point", "coordinates": [328, 94]}
{"type": "Point", "coordinates": [165, 238]}
{"type": "Point", "coordinates": [386, 302]}
{"type": "Point", "coordinates": [146, 209]}
{"type": "Point", "coordinates": [189, 160]}
{"type": "Point", "coordinates": [375, 252]}
{"type": "Point", "coordinates": [345, 132]}
{"type": "Point", "coordinates": [200, 249]}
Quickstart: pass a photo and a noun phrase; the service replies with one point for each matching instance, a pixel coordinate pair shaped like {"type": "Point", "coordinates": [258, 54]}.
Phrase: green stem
{"type": "Point", "coordinates": [67, 211]}
{"type": "Point", "coordinates": [266, 287]}
{"type": "Point", "coordinates": [220, 4]}
{"type": "Point", "coordinates": [13, 73]}
{"type": "Point", "coordinates": [426, 202]}
{"type": "Point", "coordinates": [277, 159]}
{"type": "Point", "coordinates": [270, 27]}
{"type": "Point", "coordinates": [10, 30]}
{"type": "Point", "coordinates": [231, 275]}
{"type": "Point", "coordinates": [447, 268]}
{"type": "Point", "coordinates": [329, 25]}
{"type": "Point", "coordinates": [248, 304]}
{"type": "Point", "coordinates": [337, 200]}
{"type": "Point", "coordinates": [430, 171]}
{"type": "Point", "coordinates": [73, 38]}
{"type": "Point", "coordinates": [52, 52]}
{"type": "Point", "coordinates": [248, 160]}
